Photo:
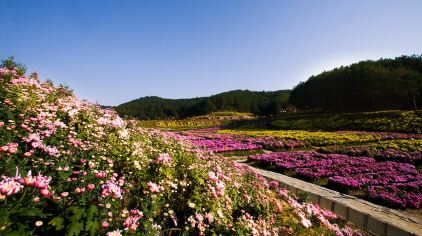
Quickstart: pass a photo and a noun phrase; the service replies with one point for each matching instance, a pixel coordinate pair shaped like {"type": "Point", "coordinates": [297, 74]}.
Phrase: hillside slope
{"type": "Point", "coordinates": [261, 103]}
{"type": "Point", "coordinates": [365, 86]}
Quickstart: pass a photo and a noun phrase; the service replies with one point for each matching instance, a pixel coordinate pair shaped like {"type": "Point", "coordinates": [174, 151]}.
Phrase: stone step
{"type": "Point", "coordinates": [376, 219]}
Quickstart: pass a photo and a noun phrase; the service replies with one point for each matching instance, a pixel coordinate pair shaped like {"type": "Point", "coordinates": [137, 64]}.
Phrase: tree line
{"type": "Point", "coordinates": [364, 86]}
{"type": "Point", "coordinates": [260, 103]}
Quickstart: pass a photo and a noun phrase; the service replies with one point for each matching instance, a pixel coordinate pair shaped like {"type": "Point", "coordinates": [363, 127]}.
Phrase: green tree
{"type": "Point", "coordinates": [10, 63]}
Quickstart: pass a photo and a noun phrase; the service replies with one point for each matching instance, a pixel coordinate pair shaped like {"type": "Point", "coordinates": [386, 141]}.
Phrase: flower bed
{"type": "Point", "coordinates": [353, 173]}
{"type": "Point", "coordinates": [311, 138]}
{"type": "Point", "coordinates": [406, 151]}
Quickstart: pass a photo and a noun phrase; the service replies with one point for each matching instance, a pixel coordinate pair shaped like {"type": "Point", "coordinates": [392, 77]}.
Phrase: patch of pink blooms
{"type": "Point", "coordinates": [25, 81]}
{"type": "Point", "coordinates": [110, 119]}
{"type": "Point", "coordinates": [112, 189]}
{"type": "Point", "coordinates": [131, 223]}
{"type": "Point", "coordinates": [154, 188]}
{"type": "Point", "coordinates": [10, 185]}
{"type": "Point", "coordinates": [114, 233]}
{"type": "Point", "coordinates": [10, 148]}
{"type": "Point", "coordinates": [164, 158]}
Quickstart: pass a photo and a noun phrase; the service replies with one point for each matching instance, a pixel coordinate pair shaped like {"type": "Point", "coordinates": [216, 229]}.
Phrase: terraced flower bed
{"type": "Point", "coordinates": [310, 138]}
{"type": "Point", "coordinates": [399, 150]}
{"type": "Point", "coordinates": [210, 140]}
{"type": "Point", "coordinates": [388, 183]}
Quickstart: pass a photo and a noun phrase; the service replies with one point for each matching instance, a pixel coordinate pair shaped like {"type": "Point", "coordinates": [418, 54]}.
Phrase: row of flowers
{"type": "Point", "coordinates": [349, 173]}
{"type": "Point", "coordinates": [210, 140]}
{"type": "Point", "coordinates": [321, 138]}
{"type": "Point", "coordinates": [400, 150]}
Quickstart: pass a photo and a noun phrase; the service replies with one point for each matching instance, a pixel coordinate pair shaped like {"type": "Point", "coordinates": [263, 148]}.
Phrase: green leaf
{"type": "Point", "coordinates": [22, 230]}
{"type": "Point", "coordinates": [74, 228]}
{"type": "Point", "coordinates": [31, 212]}
{"type": "Point", "coordinates": [64, 175]}
{"type": "Point", "coordinates": [4, 216]}
{"type": "Point", "coordinates": [78, 213]}
{"type": "Point", "coordinates": [92, 210]}
{"type": "Point", "coordinates": [57, 222]}
{"type": "Point", "coordinates": [94, 228]}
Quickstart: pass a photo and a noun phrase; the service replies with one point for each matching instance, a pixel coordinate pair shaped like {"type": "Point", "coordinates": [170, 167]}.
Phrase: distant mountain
{"type": "Point", "coordinates": [260, 103]}
{"type": "Point", "coordinates": [364, 86]}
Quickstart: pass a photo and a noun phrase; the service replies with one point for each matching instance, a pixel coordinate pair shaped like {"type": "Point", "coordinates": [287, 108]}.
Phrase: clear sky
{"type": "Point", "coordinates": [115, 51]}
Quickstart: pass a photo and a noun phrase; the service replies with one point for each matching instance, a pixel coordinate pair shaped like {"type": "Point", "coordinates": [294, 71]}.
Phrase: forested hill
{"type": "Point", "coordinates": [364, 86]}
{"type": "Point", "coordinates": [260, 103]}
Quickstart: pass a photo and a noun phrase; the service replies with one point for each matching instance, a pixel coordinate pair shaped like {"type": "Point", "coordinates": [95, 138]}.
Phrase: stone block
{"type": "Point", "coordinates": [376, 227]}
{"type": "Point", "coordinates": [357, 218]}
{"type": "Point", "coordinates": [394, 231]}
{"type": "Point", "coordinates": [340, 210]}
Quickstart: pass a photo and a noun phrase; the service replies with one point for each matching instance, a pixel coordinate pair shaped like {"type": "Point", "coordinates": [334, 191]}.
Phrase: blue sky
{"type": "Point", "coordinates": [115, 51]}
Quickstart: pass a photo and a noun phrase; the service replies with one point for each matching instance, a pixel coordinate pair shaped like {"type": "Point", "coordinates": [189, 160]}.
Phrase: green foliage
{"type": "Point", "coordinates": [10, 63]}
{"type": "Point", "coordinates": [261, 103]}
{"type": "Point", "coordinates": [391, 121]}
{"type": "Point", "coordinates": [57, 222]}
{"type": "Point", "coordinates": [364, 86]}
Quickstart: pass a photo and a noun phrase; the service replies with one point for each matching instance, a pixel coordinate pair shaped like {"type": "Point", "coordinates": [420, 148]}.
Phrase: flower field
{"type": "Point", "coordinates": [388, 183]}
{"type": "Point", "coordinates": [198, 122]}
{"type": "Point", "coordinates": [311, 138]}
{"type": "Point", "coordinates": [210, 139]}
{"type": "Point", "coordinates": [406, 151]}
{"type": "Point", "coordinates": [69, 167]}
{"type": "Point", "coordinates": [379, 166]}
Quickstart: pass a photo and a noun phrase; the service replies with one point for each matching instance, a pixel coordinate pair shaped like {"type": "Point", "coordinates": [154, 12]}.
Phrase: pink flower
{"type": "Point", "coordinates": [90, 186]}
{"type": "Point", "coordinates": [101, 175]}
{"type": "Point", "coordinates": [305, 222]}
{"type": "Point", "coordinates": [164, 158]}
{"type": "Point", "coordinates": [38, 223]}
{"type": "Point", "coordinates": [136, 212]}
{"type": "Point", "coordinates": [131, 223]}
{"type": "Point", "coordinates": [28, 180]}
{"type": "Point", "coordinates": [112, 189]}
{"type": "Point", "coordinates": [46, 193]}
{"type": "Point", "coordinates": [104, 224]}
{"type": "Point", "coordinates": [11, 148]}
{"type": "Point", "coordinates": [52, 151]}
{"type": "Point", "coordinates": [4, 148]}
{"type": "Point", "coordinates": [42, 181]}
{"type": "Point", "coordinates": [10, 186]}
{"type": "Point", "coordinates": [212, 177]}
{"type": "Point", "coordinates": [114, 233]}
{"type": "Point", "coordinates": [274, 184]}
{"type": "Point", "coordinates": [64, 194]}
{"type": "Point", "coordinates": [27, 154]}
{"type": "Point", "coordinates": [247, 197]}
{"type": "Point", "coordinates": [79, 190]}
{"type": "Point", "coordinates": [154, 188]}
{"type": "Point", "coordinates": [1, 124]}
{"type": "Point", "coordinates": [209, 217]}
{"type": "Point", "coordinates": [36, 200]}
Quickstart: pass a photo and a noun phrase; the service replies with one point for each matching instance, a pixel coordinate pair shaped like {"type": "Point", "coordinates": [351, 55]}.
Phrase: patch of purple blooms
{"type": "Point", "coordinates": [224, 145]}
{"type": "Point", "coordinates": [272, 142]}
{"type": "Point", "coordinates": [390, 183]}
{"type": "Point", "coordinates": [209, 140]}
{"type": "Point", "coordinates": [380, 155]}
